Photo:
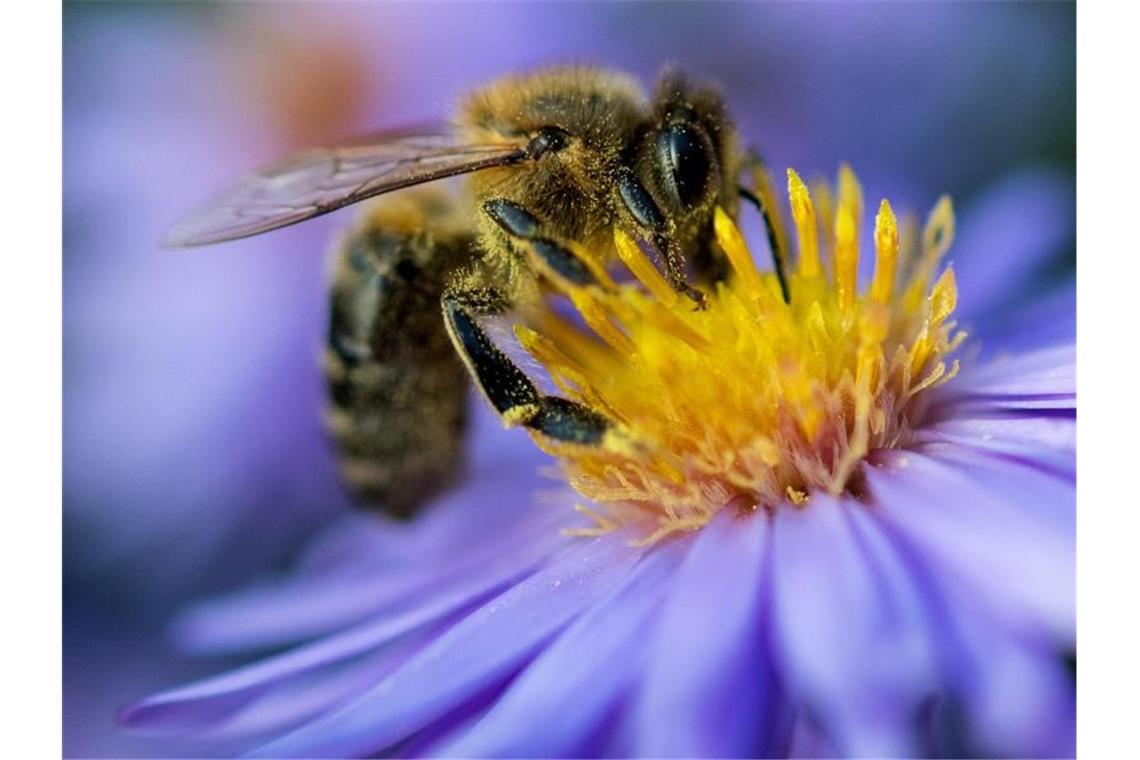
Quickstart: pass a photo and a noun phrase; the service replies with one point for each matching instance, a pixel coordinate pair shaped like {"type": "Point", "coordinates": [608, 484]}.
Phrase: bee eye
{"type": "Point", "coordinates": [686, 163]}
{"type": "Point", "coordinates": [548, 140]}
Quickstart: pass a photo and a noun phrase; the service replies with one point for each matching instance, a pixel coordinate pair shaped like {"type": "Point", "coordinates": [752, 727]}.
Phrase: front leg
{"type": "Point", "coordinates": [555, 259]}
{"type": "Point", "coordinates": [645, 221]}
{"type": "Point", "coordinates": [764, 199]}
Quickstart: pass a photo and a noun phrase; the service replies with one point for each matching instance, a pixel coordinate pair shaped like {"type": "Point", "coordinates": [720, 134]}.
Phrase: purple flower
{"type": "Point", "coordinates": [194, 454]}
{"type": "Point", "coordinates": [882, 564]}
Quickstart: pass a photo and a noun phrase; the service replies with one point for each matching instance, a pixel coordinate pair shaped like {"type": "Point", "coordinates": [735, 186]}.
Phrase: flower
{"type": "Point", "coordinates": [820, 524]}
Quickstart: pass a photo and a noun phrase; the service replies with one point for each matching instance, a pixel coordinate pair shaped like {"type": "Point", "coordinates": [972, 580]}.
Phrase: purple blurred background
{"type": "Point", "coordinates": [194, 458]}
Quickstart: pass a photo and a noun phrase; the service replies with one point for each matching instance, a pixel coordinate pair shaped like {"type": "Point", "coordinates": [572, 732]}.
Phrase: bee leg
{"type": "Point", "coordinates": [675, 269]}
{"type": "Point", "coordinates": [761, 197]}
{"type": "Point", "coordinates": [645, 220]}
{"type": "Point", "coordinates": [505, 386]}
{"type": "Point", "coordinates": [396, 390]}
{"type": "Point", "coordinates": [554, 259]}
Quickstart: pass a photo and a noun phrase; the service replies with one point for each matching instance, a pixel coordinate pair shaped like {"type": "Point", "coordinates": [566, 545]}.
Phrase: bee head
{"type": "Point", "coordinates": [683, 153]}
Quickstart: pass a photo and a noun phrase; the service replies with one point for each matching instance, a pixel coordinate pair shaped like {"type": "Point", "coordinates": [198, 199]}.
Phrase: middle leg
{"type": "Point", "coordinates": [502, 382]}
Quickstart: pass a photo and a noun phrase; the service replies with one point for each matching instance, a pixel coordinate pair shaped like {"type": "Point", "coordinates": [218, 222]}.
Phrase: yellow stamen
{"type": "Point", "coordinates": [751, 401]}
{"type": "Point", "coordinates": [803, 213]}
{"type": "Point", "coordinates": [846, 256]}
{"type": "Point", "coordinates": [732, 242]}
{"type": "Point", "coordinates": [825, 213]}
{"type": "Point", "coordinates": [886, 253]}
{"type": "Point", "coordinates": [937, 235]}
{"type": "Point", "coordinates": [642, 268]}
{"type": "Point", "coordinates": [595, 316]}
{"type": "Point", "coordinates": [851, 195]}
{"type": "Point", "coordinates": [766, 191]}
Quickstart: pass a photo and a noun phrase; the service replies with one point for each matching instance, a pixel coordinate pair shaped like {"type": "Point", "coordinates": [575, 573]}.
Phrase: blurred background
{"type": "Point", "coordinates": [194, 457]}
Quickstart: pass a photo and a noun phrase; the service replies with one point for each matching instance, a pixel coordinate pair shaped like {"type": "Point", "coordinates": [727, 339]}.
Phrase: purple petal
{"type": "Point", "coordinates": [1049, 320]}
{"type": "Point", "coordinates": [308, 695]}
{"type": "Point", "coordinates": [204, 702]}
{"type": "Point", "coordinates": [558, 702]}
{"type": "Point", "coordinates": [1004, 529]}
{"type": "Point", "coordinates": [852, 626]}
{"type": "Point", "coordinates": [1040, 380]}
{"type": "Point", "coordinates": [1008, 234]}
{"type": "Point", "coordinates": [317, 604]}
{"type": "Point", "coordinates": [1046, 443]}
{"type": "Point", "coordinates": [1017, 697]}
{"type": "Point", "coordinates": [471, 657]}
{"type": "Point", "coordinates": [710, 688]}
{"type": "Point", "coordinates": [809, 742]}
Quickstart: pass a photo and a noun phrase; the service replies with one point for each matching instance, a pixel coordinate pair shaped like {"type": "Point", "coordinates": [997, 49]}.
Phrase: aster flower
{"type": "Point", "coordinates": [812, 521]}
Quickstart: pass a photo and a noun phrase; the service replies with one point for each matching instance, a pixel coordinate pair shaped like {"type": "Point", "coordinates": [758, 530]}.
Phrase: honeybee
{"type": "Point", "coordinates": [555, 161]}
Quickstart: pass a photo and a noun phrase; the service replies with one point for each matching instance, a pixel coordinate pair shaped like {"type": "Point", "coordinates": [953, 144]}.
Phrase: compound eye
{"type": "Point", "coordinates": [685, 156]}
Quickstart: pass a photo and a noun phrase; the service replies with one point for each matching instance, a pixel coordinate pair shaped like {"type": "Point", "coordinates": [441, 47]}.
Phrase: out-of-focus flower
{"type": "Point", "coordinates": [818, 526]}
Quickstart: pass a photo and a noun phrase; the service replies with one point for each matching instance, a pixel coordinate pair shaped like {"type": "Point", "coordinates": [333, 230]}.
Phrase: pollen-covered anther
{"type": "Point", "coordinates": [755, 399]}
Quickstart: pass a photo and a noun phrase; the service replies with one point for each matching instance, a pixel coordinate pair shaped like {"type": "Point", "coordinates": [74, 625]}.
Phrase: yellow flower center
{"type": "Point", "coordinates": [753, 402]}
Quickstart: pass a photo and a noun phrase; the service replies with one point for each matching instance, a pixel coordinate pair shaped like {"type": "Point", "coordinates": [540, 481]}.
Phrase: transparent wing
{"type": "Point", "coordinates": [321, 180]}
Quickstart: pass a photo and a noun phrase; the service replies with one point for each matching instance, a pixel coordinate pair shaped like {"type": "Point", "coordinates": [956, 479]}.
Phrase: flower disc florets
{"type": "Point", "coordinates": [754, 401]}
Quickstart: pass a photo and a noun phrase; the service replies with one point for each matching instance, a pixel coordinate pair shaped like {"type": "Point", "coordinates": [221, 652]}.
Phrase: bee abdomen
{"type": "Point", "coordinates": [397, 389]}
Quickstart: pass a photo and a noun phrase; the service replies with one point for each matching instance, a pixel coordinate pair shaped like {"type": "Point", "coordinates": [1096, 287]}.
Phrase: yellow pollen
{"type": "Point", "coordinates": [752, 403]}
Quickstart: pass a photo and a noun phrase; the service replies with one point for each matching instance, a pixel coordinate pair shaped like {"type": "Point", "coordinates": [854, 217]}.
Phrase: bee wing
{"type": "Point", "coordinates": [321, 180]}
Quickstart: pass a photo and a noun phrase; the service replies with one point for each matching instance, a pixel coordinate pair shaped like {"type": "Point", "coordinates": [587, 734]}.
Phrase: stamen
{"type": "Point", "coordinates": [595, 316]}
{"type": "Point", "coordinates": [825, 213]}
{"type": "Point", "coordinates": [732, 242]}
{"type": "Point", "coordinates": [766, 190]}
{"type": "Point", "coordinates": [937, 235]}
{"type": "Point", "coordinates": [803, 213]}
{"type": "Point", "coordinates": [642, 268]}
{"type": "Point", "coordinates": [851, 195]}
{"type": "Point", "coordinates": [886, 253]}
{"type": "Point", "coordinates": [846, 256]}
{"type": "Point", "coordinates": [752, 400]}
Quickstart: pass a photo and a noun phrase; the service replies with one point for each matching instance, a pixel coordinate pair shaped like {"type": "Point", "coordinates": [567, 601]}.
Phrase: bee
{"type": "Point", "coordinates": [554, 162]}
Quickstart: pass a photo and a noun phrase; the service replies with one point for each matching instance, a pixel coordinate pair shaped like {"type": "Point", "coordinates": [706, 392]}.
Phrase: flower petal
{"type": "Point", "coordinates": [557, 702]}
{"type": "Point", "coordinates": [471, 657]}
{"type": "Point", "coordinates": [206, 702]}
{"type": "Point", "coordinates": [1016, 696]}
{"type": "Point", "coordinates": [307, 695]}
{"type": "Point", "coordinates": [1006, 530]}
{"type": "Point", "coordinates": [1040, 380]}
{"type": "Point", "coordinates": [1046, 443]}
{"type": "Point", "coordinates": [852, 626]}
{"type": "Point", "coordinates": [302, 608]}
{"type": "Point", "coordinates": [1008, 234]}
{"type": "Point", "coordinates": [1049, 320]}
{"type": "Point", "coordinates": [710, 688]}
